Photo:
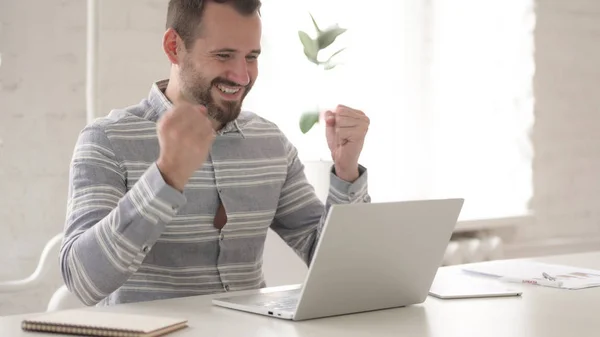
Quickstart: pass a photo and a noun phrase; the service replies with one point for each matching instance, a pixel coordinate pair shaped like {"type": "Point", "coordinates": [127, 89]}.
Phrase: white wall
{"type": "Point", "coordinates": [565, 136]}
{"type": "Point", "coordinates": [42, 106]}
{"type": "Point", "coordinates": [130, 51]}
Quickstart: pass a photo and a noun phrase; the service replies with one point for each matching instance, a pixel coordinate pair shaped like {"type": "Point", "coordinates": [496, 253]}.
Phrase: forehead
{"type": "Point", "coordinates": [223, 27]}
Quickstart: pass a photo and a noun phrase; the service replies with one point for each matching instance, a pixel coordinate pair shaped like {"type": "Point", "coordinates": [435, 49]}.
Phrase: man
{"type": "Point", "coordinates": [174, 196]}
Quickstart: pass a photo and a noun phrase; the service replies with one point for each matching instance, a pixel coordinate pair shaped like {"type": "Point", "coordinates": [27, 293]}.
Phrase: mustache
{"type": "Point", "coordinates": [228, 83]}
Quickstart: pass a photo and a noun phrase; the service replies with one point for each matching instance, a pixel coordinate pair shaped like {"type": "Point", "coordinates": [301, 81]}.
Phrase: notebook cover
{"type": "Point", "coordinates": [96, 323]}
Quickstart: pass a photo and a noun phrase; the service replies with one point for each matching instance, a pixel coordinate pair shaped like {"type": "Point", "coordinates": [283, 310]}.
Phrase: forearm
{"type": "Point", "coordinates": [342, 192]}
{"type": "Point", "coordinates": [98, 256]}
{"type": "Point", "coordinates": [301, 216]}
{"type": "Point", "coordinates": [348, 191]}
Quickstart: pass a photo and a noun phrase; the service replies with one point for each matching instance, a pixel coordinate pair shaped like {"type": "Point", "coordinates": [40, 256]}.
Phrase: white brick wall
{"type": "Point", "coordinates": [40, 116]}
{"type": "Point", "coordinates": [42, 108]}
{"type": "Point", "coordinates": [566, 132]}
{"type": "Point", "coordinates": [42, 103]}
{"type": "Point", "coordinates": [130, 51]}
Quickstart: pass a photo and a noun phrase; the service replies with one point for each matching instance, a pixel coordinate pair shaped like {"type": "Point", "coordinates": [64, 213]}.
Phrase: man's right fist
{"type": "Point", "coordinates": [185, 136]}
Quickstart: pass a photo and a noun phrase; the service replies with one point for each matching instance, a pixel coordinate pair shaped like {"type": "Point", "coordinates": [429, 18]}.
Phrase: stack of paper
{"type": "Point", "coordinates": [531, 272]}
{"type": "Point", "coordinates": [451, 283]}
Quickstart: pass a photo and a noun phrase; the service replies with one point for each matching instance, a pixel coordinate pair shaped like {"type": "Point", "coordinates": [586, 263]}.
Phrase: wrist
{"type": "Point", "coordinates": [348, 175]}
{"type": "Point", "coordinates": [171, 176]}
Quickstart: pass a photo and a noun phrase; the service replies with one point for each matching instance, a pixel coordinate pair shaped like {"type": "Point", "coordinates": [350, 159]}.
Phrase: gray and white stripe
{"type": "Point", "coordinates": [130, 237]}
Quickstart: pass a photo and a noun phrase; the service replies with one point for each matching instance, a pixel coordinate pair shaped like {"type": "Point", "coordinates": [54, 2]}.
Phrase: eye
{"type": "Point", "coordinates": [223, 56]}
{"type": "Point", "coordinates": [252, 57]}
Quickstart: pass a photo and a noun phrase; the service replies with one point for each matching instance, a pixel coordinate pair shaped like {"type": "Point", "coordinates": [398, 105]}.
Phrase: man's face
{"type": "Point", "coordinates": [221, 66]}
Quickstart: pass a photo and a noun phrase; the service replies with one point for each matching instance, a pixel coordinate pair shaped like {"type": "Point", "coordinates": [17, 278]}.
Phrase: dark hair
{"type": "Point", "coordinates": [184, 16]}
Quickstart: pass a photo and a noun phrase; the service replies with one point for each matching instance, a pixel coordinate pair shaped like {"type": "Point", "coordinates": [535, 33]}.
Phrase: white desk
{"type": "Point", "coordinates": [543, 312]}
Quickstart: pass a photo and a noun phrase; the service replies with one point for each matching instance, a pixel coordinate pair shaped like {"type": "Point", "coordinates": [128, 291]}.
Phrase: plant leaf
{"type": "Point", "coordinates": [332, 55]}
{"type": "Point", "coordinates": [315, 23]}
{"type": "Point", "coordinates": [310, 46]}
{"type": "Point", "coordinates": [329, 66]}
{"type": "Point", "coordinates": [327, 37]}
{"type": "Point", "coordinates": [308, 120]}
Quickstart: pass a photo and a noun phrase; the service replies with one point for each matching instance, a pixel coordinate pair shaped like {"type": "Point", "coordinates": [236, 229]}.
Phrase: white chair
{"type": "Point", "coordinates": [62, 298]}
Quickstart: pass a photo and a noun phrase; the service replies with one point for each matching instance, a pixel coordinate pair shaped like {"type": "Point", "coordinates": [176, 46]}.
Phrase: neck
{"type": "Point", "coordinates": [176, 96]}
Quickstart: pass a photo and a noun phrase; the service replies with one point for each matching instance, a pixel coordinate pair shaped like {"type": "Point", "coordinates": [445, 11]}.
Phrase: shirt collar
{"type": "Point", "coordinates": [159, 104]}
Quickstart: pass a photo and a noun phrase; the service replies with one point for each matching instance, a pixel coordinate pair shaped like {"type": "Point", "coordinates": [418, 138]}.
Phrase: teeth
{"type": "Point", "coordinates": [227, 90]}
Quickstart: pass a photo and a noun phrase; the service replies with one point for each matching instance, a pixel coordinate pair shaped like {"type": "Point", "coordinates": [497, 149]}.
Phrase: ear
{"type": "Point", "coordinates": [172, 44]}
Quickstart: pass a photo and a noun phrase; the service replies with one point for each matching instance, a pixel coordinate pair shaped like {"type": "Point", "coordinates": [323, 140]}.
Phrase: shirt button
{"type": "Point", "coordinates": [145, 249]}
{"type": "Point", "coordinates": [221, 236]}
{"type": "Point", "coordinates": [352, 194]}
{"type": "Point", "coordinates": [174, 208]}
{"type": "Point", "coordinates": [227, 287]}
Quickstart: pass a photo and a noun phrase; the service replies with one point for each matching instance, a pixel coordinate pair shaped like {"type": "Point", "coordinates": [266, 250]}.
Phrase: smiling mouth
{"type": "Point", "coordinates": [228, 90]}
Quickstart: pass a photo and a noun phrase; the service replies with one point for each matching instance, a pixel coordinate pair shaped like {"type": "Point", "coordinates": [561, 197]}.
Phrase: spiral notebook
{"type": "Point", "coordinates": [96, 323]}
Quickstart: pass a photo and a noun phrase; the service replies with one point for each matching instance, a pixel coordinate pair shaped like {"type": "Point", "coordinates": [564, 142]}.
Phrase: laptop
{"type": "Point", "coordinates": [370, 257]}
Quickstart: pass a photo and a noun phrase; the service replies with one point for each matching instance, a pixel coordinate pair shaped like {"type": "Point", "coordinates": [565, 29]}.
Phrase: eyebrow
{"type": "Point", "coordinates": [231, 50]}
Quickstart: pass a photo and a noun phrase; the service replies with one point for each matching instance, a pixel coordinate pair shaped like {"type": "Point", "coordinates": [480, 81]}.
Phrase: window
{"type": "Point", "coordinates": [482, 104]}
{"type": "Point", "coordinates": [447, 85]}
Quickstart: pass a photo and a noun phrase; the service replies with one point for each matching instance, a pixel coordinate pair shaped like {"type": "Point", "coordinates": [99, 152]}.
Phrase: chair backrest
{"type": "Point", "coordinates": [47, 261]}
{"type": "Point", "coordinates": [62, 298]}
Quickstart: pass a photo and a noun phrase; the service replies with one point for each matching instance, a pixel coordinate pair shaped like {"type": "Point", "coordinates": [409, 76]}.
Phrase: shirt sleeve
{"type": "Point", "coordinates": [109, 230]}
{"type": "Point", "coordinates": [300, 214]}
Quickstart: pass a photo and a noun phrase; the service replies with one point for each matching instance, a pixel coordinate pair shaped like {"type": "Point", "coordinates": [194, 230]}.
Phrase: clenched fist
{"type": "Point", "coordinates": [346, 131]}
{"type": "Point", "coordinates": [185, 136]}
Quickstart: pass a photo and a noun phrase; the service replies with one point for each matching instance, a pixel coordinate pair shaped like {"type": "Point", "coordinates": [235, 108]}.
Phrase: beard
{"type": "Point", "coordinates": [198, 88]}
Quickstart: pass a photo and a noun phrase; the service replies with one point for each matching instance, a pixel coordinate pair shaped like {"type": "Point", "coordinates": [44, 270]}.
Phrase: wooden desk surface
{"type": "Point", "coordinates": [541, 311]}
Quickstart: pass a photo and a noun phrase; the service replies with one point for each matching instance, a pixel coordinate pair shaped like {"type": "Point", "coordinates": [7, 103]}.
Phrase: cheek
{"type": "Point", "coordinates": [253, 70]}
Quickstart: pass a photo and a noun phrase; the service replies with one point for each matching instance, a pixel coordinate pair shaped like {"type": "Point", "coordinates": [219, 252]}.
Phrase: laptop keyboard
{"type": "Point", "coordinates": [284, 300]}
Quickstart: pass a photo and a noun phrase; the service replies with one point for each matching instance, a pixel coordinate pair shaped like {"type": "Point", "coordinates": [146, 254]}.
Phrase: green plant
{"type": "Point", "coordinates": [312, 48]}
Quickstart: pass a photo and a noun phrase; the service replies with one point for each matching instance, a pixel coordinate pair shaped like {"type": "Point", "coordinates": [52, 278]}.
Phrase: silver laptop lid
{"type": "Point", "coordinates": [376, 256]}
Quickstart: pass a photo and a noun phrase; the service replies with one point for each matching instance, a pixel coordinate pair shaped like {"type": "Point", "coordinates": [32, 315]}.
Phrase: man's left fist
{"type": "Point", "coordinates": [346, 130]}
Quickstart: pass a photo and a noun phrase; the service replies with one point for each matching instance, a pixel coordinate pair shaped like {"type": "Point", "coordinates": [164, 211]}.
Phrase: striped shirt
{"type": "Point", "coordinates": [130, 237]}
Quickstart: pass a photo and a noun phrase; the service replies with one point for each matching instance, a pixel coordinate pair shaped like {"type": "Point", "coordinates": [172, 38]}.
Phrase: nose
{"type": "Point", "coordinates": [239, 73]}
